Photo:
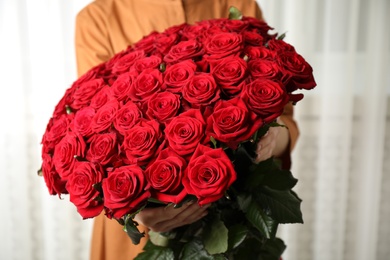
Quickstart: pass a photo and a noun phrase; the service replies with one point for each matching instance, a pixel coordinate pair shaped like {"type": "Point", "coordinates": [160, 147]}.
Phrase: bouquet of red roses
{"type": "Point", "coordinates": [173, 118]}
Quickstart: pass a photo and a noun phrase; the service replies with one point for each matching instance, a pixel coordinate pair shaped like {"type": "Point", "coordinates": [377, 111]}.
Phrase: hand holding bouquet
{"type": "Point", "coordinates": [176, 118]}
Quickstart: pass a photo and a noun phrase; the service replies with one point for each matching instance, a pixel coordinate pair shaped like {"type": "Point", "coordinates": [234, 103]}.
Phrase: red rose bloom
{"type": "Point", "coordinates": [82, 121]}
{"type": "Point", "coordinates": [185, 131]}
{"type": "Point", "coordinates": [300, 72]}
{"type": "Point", "coordinates": [165, 177]}
{"type": "Point", "coordinates": [122, 86]}
{"type": "Point", "coordinates": [266, 98]}
{"type": "Point", "coordinates": [209, 174]}
{"type": "Point", "coordinates": [103, 96]}
{"type": "Point", "coordinates": [104, 117]}
{"type": "Point", "coordinates": [58, 129]}
{"type": "Point", "coordinates": [231, 122]}
{"type": "Point", "coordinates": [126, 117]}
{"type": "Point", "coordinates": [53, 181]}
{"type": "Point", "coordinates": [201, 90]}
{"type": "Point", "coordinates": [147, 83]}
{"type": "Point", "coordinates": [229, 73]}
{"type": "Point", "coordinates": [103, 148]}
{"type": "Point", "coordinates": [151, 62]}
{"type": "Point", "coordinates": [223, 44]}
{"type": "Point", "coordinates": [66, 153]}
{"type": "Point", "coordinates": [142, 142]}
{"type": "Point", "coordinates": [184, 50]}
{"type": "Point", "coordinates": [260, 52]}
{"type": "Point", "coordinates": [125, 190]}
{"type": "Point", "coordinates": [124, 63]}
{"type": "Point", "coordinates": [82, 192]}
{"type": "Point", "coordinates": [84, 93]}
{"type": "Point", "coordinates": [262, 68]}
{"type": "Point", "coordinates": [164, 42]}
{"type": "Point", "coordinates": [177, 75]}
{"type": "Point", "coordinates": [163, 106]}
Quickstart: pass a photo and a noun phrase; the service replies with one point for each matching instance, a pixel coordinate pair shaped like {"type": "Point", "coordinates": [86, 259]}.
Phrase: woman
{"type": "Point", "coordinates": [105, 27]}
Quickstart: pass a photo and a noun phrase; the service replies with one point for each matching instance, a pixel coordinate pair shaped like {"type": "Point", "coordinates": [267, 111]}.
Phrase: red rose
{"type": "Point", "coordinates": [259, 52]}
{"type": "Point", "coordinates": [263, 68]}
{"type": "Point", "coordinates": [253, 38]}
{"type": "Point", "coordinates": [195, 31]}
{"type": "Point", "coordinates": [126, 117]}
{"type": "Point", "coordinates": [66, 153]}
{"type": "Point", "coordinates": [64, 103]}
{"type": "Point", "coordinates": [177, 75]}
{"type": "Point", "coordinates": [142, 142]}
{"type": "Point", "coordinates": [231, 122]}
{"type": "Point", "coordinates": [223, 44]}
{"type": "Point", "coordinates": [165, 177]}
{"type": "Point", "coordinates": [104, 117]}
{"type": "Point", "coordinates": [229, 73]}
{"type": "Point", "coordinates": [147, 83]}
{"type": "Point", "coordinates": [208, 174]}
{"type": "Point", "coordinates": [82, 121]}
{"type": "Point", "coordinates": [201, 90]}
{"type": "Point", "coordinates": [84, 93]}
{"type": "Point", "coordinates": [299, 71]}
{"type": "Point", "coordinates": [280, 46]}
{"type": "Point", "coordinates": [184, 50]}
{"type": "Point", "coordinates": [103, 96]}
{"type": "Point", "coordinates": [103, 148]}
{"type": "Point", "coordinates": [124, 63]}
{"type": "Point", "coordinates": [57, 129]}
{"type": "Point", "coordinates": [146, 44]}
{"type": "Point", "coordinates": [255, 23]}
{"type": "Point", "coordinates": [164, 42]}
{"type": "Point", "coordinates": [151, 62]}
{"type": "Point", "coordinates": [235, 25]}
{"type": "Point", "coordinates": [82, 191]}
{"type": "Point", "coordinates": [121, 87]}
{"type": "Point", "coordinates": [53, 181]}
{"type": "Point", "coordinates": [163, 106]}
{"type": "Point", "coordinates": [125, 190]}
{"type": "Point", "coordinates": [267, 98]}
{"type": "Point", "coordinates": [185, 131]}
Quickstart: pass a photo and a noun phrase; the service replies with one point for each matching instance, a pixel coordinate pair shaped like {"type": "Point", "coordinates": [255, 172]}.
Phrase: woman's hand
{"type": "Point", "coordinates": [273, 143]}
{"type": "Point", "coordinates": [164, 219]}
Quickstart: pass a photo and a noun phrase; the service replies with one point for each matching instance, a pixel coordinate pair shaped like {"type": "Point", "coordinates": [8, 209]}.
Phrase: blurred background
{"type": "Point", "coordinates": [342, 159]}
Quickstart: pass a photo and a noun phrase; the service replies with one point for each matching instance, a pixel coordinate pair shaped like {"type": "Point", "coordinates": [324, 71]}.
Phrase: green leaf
{"type": "Point", "coordinates": [130, 227]}
{"type": "Point", "coordinates": [280, 180]}
{"type": "Point", "coordinates": [273, 249]}
{"type": "Point", "coordinates": [285, 206]}
{"type": "Point", "coordinates": [156, 201]}
{"type": "Point", "coordinates": [152, 251]}
{"type": "Point", "coordinates": [255, 215]}
{"type": "Point", "coordinates": [194, 250]}
{"type": "Point", "coordinates": [237, 235]}
{"type": "Point", "coordinates": [234, 13]}
{"type": "Point", "coordinates": [215, 237]}
{"type": "Point", "coordinates": [281, 37]}
{"type": "Point", "coordinates": [261, 221]}
{"type": "Point", "coordinates": [68, 109]}
{"type": "Point", "coordinates": [212, 139]}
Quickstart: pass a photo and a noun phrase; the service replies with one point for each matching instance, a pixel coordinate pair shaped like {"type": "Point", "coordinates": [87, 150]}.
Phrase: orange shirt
{"type": "Point", "coordinates": [106, 27]}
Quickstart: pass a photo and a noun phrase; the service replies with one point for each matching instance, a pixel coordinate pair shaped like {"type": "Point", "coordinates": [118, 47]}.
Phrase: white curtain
{"type": "Point", "coordinates": [342, 159]}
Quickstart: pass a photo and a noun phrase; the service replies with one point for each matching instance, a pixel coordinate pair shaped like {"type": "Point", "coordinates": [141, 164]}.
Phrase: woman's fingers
{"type": "Point", "coordinates": [163, 219]}
{"type": "Point", "coordinates": [188, 216]}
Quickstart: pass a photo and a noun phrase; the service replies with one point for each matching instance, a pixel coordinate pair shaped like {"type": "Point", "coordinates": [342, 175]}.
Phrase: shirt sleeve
{"type": "Point", "coordinates": [91, 38]}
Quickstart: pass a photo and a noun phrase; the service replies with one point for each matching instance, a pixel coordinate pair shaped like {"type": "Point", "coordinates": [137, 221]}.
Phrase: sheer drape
{"type": "Point", "coordinates": [342, 157]}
